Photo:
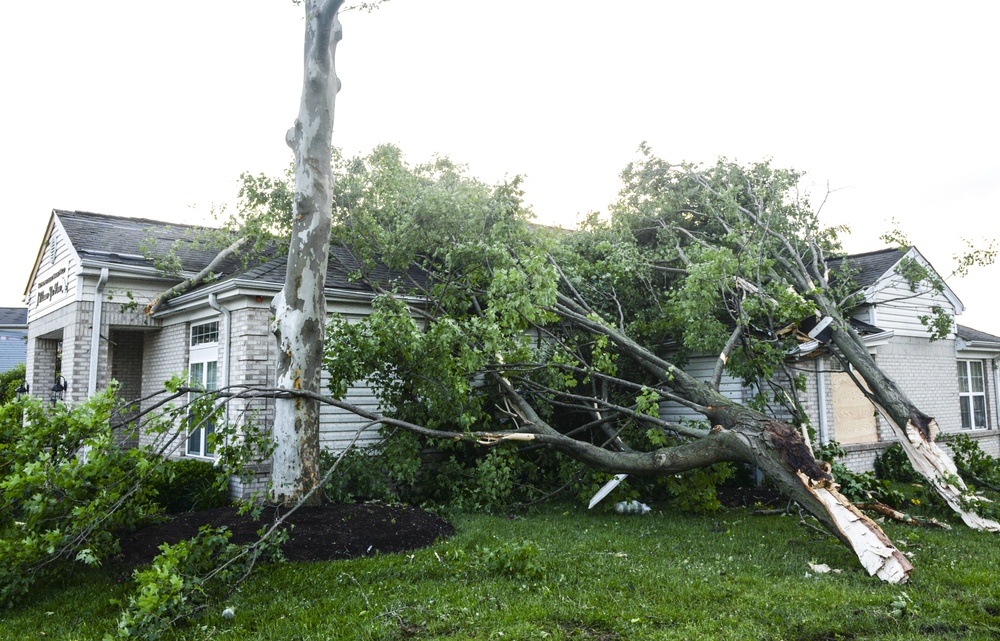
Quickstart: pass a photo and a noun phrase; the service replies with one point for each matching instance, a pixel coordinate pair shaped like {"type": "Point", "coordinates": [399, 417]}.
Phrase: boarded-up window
{"type": "Point", "coordinates": [853, 413]}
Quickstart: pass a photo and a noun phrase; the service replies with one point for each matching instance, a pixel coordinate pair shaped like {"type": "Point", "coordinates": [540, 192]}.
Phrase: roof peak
{"type": "Point", "coordinates": [130, 219]}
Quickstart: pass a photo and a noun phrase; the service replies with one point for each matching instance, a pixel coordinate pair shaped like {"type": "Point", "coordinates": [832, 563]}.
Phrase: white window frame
{"type": "Point", "coordinates": [203, 371]}
{"type": "Point", "coordinates": [968, 394]}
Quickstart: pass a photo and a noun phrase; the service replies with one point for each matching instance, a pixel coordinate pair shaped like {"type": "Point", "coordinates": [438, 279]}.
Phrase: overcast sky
{"type": "Point", "coordinates": [154, 109]}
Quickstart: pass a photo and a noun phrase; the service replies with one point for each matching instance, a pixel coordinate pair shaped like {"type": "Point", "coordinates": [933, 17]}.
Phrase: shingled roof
{"type": "Point", "coordinates": [138, 242]}
{"type": "Point", "coordinates": [865, 269]}
{"type": "Point", "coordinates": [975, 336]}
{"type": "Point", "coordinates": [13, 316]}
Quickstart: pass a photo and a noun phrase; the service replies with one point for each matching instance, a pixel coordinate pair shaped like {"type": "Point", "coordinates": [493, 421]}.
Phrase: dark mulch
{"type": "Point", "coordinates": [318, 534]}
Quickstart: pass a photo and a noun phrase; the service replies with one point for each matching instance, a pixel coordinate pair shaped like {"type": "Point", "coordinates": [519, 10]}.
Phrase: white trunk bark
{"type": "Point", "coordinates": [300, 309]}
{"type": "Point", "coordinates": [874, 549]}
{"type": "Point", "coordinates": [934, 464]}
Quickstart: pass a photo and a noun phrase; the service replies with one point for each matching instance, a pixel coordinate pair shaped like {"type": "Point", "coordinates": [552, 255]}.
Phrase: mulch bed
{"type": "Point", "coordinates": [318, 533]}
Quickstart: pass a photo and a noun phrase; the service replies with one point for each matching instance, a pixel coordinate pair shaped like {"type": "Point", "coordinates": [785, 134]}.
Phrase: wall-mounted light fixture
{"type": "Point", "coordinates": [22, 389]}
{"type": "Point", "coordinates": [57, 390]}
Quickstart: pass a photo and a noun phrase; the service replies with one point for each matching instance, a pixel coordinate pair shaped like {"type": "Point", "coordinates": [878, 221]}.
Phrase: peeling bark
{"type": "Point", "coordinates": [934, 464]}
{"type": "Point", "coordinates": [915, 431]}
{"type": "Point", "coordinates": [300, 308]}
{"type": "Point", "coordinates": [874, 549]}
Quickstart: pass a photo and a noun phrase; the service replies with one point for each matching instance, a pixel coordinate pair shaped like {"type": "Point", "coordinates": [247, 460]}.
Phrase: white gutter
{"type": "Point", "coordinates": [95, 333]}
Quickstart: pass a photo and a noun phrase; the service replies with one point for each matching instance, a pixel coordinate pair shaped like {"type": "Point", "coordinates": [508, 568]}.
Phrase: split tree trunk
{"type": "Point", "coordinates": [741, 434]}
{"type": "Point", "coordinates": [300, 308]}
{"type": "Point", "coordinates": [915, 430]}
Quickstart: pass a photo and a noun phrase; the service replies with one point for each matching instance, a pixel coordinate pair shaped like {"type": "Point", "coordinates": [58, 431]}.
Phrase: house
{"type": "Point", "coordinates": [86, 325]}
{"type": "Point", "coordinates": [954, 379]}
{"type": "Point", "coordinates": [13, 336]}
{"type": "Point", "coordinates": [94, 275]}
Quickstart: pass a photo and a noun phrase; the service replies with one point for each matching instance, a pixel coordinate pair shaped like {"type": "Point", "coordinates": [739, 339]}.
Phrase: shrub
{"type": "Point", "coordinates": [859, 488]}
{"type": "Point", "coordinates": [9, 382]}
{"type": "Point", "coordinates": [893, 465]}
{"type": "Point", "coordinates": [56, 506]}
{"type": "Point", "coordinates": [971, 459]}
{"type": "Point", "coordinates": [190, 485]}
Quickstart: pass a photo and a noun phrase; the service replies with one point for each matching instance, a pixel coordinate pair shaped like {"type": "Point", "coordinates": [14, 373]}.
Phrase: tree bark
{"type": "Point", "coordinates": [916, 432]}
{"type": "Point", "coordinates": [744, 435]}
{"type": "Point", "coordinates": [300, 308]}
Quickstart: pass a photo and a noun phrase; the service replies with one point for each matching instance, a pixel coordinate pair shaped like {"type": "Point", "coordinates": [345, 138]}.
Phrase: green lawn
{"type": "Point", "coordinates": [585, 575]}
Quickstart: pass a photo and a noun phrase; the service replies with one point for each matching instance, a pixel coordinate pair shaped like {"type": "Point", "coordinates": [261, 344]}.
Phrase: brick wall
{"type": "Point", "coordinates": [253, 355]}
{"type": "Point", "coordinates": [926, 372]}
{"type": "Point", "coordinates": [165, 354]}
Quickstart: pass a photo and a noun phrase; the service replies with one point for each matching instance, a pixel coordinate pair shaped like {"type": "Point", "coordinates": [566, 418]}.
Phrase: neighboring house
{"type": "Point", "coordinates": [13, 336]}
{"type": "Point", "coordinates": [94, 275]}
{"type": "Point", "coordinates": [954, 379]}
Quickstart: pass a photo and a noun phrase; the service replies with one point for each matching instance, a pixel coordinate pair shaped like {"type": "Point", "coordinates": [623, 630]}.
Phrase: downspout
{"type": "Point", "coordinates": [213, 302]}
{"type": "Point", "coordinates": [824, 432]}
{"type": "Point", "coordinates": [996, 393]}
{"type": "Point", "coordinates": [95, 334]}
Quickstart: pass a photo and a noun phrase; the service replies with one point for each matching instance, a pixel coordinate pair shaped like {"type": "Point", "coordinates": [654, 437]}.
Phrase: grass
{"type": "Point", "coordinates": [574, 574]}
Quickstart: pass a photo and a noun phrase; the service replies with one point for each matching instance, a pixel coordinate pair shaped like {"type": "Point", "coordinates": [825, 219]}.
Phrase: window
{"type": "Point", "coordinates": [205, 334]}
{"type": "Point", "coordinates": [972, 394]}
{"type": "Point", "coordinates": [203, 372]}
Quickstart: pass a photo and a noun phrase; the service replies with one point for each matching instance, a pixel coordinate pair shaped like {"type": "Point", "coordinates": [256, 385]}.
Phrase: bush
{"type": "Point", "coordinates": [971, 459]}
{"type": "Point", "coordinates": [893, 465]}
{"type": "Point", "coordinates": [190, 485]}
{"type": "Point", "coordinates": [57, 507]}
{"type": "Point", "coordinates": [9, 382]}
{"type": "Point", "coordinates": [859, 488]}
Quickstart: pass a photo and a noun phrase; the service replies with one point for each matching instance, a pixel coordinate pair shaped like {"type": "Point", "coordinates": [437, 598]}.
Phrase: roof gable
{"type": "Point", "coordinates": [865, 269]}
{"type": "Point", "coordinates": [872, 271]}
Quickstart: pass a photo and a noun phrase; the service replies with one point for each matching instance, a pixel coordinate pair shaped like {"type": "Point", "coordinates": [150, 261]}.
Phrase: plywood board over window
{"type": "Point", "coordinates": [853, 414]}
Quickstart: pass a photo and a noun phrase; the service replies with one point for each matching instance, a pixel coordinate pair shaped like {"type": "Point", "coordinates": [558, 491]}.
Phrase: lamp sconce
{"type": "Point", "coordinates": [57, 390]}
{"type": "Point", "coordinates": [22, 389]}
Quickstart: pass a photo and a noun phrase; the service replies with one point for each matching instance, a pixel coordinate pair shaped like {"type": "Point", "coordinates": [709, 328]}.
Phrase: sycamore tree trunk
{"type": "Point", "coordinates": [300, 308]}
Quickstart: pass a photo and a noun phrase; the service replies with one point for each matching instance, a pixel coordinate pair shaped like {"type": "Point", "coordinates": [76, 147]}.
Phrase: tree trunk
{"type": "Point", "coordinates": [744, 435]}
{"type": "Point", "coordinates": [300, 308]}
{"type": "Point", "coordinates": [915, 430]}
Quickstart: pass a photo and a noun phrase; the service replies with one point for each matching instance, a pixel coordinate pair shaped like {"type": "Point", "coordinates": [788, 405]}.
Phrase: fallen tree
{"type": "Point", "coordinates": [571, 328]}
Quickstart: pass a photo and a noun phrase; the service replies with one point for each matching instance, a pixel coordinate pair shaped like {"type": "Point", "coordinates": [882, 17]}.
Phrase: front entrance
{"type": "Point", "coordinates": [125, 354]}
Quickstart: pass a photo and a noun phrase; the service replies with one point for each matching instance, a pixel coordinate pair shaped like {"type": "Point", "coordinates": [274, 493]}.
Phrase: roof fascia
{"type": "Point", "coordinates": [877, 340]}
{"type": "Point", "coordinates": [229, 289]}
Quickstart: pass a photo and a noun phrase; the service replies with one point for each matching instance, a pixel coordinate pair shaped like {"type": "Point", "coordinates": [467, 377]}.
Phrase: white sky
{"type": "Point", "coordinates": [154, 109]}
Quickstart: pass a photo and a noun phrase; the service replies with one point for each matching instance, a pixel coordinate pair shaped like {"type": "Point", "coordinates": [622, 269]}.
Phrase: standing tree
{"type": "Point", "coordinates": [300, 309]}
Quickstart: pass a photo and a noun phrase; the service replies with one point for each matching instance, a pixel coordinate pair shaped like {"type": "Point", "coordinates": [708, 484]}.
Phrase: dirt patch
{"type": "Point", "coordinates": [317, 534]}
